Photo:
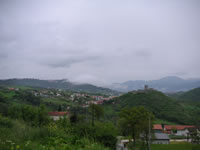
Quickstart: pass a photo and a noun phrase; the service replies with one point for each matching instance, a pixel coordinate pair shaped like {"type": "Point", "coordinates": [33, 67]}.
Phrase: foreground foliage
{"type": "Point", "coordinates": [54, 136]}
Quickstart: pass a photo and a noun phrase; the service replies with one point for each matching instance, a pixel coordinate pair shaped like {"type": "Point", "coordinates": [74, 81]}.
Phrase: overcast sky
{"type": "Point", "coordinates": [99, 41]}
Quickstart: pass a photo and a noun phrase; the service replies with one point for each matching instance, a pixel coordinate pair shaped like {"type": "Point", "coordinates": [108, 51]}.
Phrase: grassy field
{"type": "Point", "coordinates": [159, 121]}
{"type": "Point", "coordinates": [55, 101]}
{"type": "Point", "coordinates": [174, 147]}
{"type": "Point", "coordinates": [7, 94]}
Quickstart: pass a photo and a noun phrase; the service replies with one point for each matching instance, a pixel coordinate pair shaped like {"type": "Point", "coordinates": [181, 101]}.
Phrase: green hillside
{"type": "Point", "coordinates": [25, 124]}
{"type": "Point", "coordinates": [192, 95]}
{"type": "Point", "coordinates": [163, 107]}
{"type": "Point", "coordinates": [58, 84]}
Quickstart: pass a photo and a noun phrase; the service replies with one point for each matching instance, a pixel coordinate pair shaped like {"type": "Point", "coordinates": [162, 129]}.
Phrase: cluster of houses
{"type": "Point", "coordinates": [72, 97]}
{"type": "Point", "coordinates": [178, 130]}
{"type": "Point", "coordinates": [47, 93]}
{"type": "Point", "coordinates": [161, 135]}
{"type": "Point", "coordinates": [183, 131]}
{"type": "Point", "coordinates": [75, 97]}
{"type": "Point", "coordinates": [13, 89]}
{"type": "Point", "coordinates": [93, 99]}
{"type": "Point", "coordinates": [100, 100]}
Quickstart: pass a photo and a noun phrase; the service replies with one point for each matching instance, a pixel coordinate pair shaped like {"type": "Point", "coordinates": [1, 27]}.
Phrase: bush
{"type": "Point", "coordinates": [104, 133]}
{"type": "Point", "coordinates": [5, 122]}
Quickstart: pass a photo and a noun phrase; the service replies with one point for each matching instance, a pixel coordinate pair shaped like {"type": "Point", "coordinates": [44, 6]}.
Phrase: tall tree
{"type": "Point", "coordinates": [96, 112]}
{"type": "Point", "coordinates": [42, 116]}
{"type": "Point", "coordinates": [135, 123]}
{"type": "Point", "coordinates": [60, 108]}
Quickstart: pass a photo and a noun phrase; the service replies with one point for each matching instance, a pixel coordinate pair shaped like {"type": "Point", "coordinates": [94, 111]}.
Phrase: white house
{"type": "Point", "coordinates": [57, 115]}
{"type": "Point", "coordinates": [180, 130]}
{"type": "Point", "coordinates": [122, 144]}
{"type": "Point", "coordinates": [160, 138]}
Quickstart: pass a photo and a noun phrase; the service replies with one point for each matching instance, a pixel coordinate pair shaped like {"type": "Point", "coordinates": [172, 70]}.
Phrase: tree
{"type": "Point", "coordinates": [42, 116]}
{"type": "Point", "coordinates": [73, 118]}
{"type": "Point", "coordinates": [106, 133]}
{"type": "Point", "coordinates": [60, 108]}
{"type": "Point", "coordinates": [174, 130]}
{"type": "Point", "coordinates": [28, 97]}
{"type": "Point", "coordinates": [135, 123]}
{"type": "Point", "coordinates": [2, 98]}
{"type": "Point", "coordinates": [96, 112]}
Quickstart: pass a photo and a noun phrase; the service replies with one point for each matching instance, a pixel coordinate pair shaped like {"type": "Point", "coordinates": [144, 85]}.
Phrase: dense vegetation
{"type": "Point", "coordinates": [192, 95]}
{"type": "Point", "coordinates": [162, 106]}
{"type": "Point", "coordinates": [19, 134]}
{"type": "Point", "coordinates": [25, 125]}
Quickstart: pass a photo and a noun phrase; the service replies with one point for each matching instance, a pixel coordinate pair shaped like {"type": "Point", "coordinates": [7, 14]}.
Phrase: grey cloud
{"type": "Point", "coordinates": [143, 53]}
{"type": "Point", "coordinates": [6, 39]}
{"type": "Point", "coordinates": [181, 73]}
{"type": "Point", "coordinates": [5, 36]}
{"type": "Point", "coordinates": [99, 41]}
{"type": "Point", "coordinates": [61, 63]}
{"type": "Point", "coordinates": [3, 56]}
{"type": "Point", "coordinates": [66, 61]}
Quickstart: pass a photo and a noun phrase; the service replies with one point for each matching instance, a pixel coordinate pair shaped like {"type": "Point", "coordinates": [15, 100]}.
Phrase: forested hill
{"type": "Point", "coordinates": [162, 106]}
{"type": "Point", "coordinates": [190, 96]}
{"type": "Point", "coordinates": [58, 84]}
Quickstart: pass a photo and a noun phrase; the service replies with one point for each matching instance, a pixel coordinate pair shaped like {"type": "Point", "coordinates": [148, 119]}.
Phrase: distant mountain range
{"type": "Point", "coordinates": [58, 84]}
{"type": "Point", "coordinates": [167, 84]}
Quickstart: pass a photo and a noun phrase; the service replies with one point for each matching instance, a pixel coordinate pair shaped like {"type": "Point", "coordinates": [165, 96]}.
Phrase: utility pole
{"type": "Point", "coordinates": [149, 148]}
{"type": "Point", "coordinates": [93, 115]}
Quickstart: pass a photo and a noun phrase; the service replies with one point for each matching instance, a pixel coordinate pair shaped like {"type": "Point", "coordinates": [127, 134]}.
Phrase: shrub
{"type": "Point", "coordinates": [5, 122]}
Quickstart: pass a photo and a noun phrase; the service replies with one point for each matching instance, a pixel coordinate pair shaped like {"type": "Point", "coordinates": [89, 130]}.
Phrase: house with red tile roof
{"type": "Point", "coordinates": [181, 130]}
{"type": "Point", "coordinates": [96, 102]}
{"type": "Point", "coordinates": [100, 101]}
{"type": "Point", "coordinates": [58, 115]}
{"type": "Point", "coordinates": [157, 128]}
{"type": "Point", "coordinates": [11, 89]}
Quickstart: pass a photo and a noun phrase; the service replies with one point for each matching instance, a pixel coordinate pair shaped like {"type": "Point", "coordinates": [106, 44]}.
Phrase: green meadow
{"type": "Point", "coordinates": [185, 146]}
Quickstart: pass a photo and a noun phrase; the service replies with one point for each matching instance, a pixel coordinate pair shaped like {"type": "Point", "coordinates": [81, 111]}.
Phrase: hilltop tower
{"type": "Point", "coordinates": [145, 87]}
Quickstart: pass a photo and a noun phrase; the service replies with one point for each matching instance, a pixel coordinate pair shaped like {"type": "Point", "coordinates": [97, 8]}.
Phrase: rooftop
{"type": "Point", "coordinates": [157, 127]}
{"type": "Point", "coordinates": [56, 113]}
{"type": "Point", "coordinates": [178, 127]}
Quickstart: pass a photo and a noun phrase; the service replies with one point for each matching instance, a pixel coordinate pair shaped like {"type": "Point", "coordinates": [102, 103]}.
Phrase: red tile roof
{"type": "Point", "coordinates": [100, 102]}
{"type": "Point", "coordinates": [56, 113]}
{"type": "Point", "coordinates": [157, 127]}
{"type": "Point", "coordinates": [178, 127]}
